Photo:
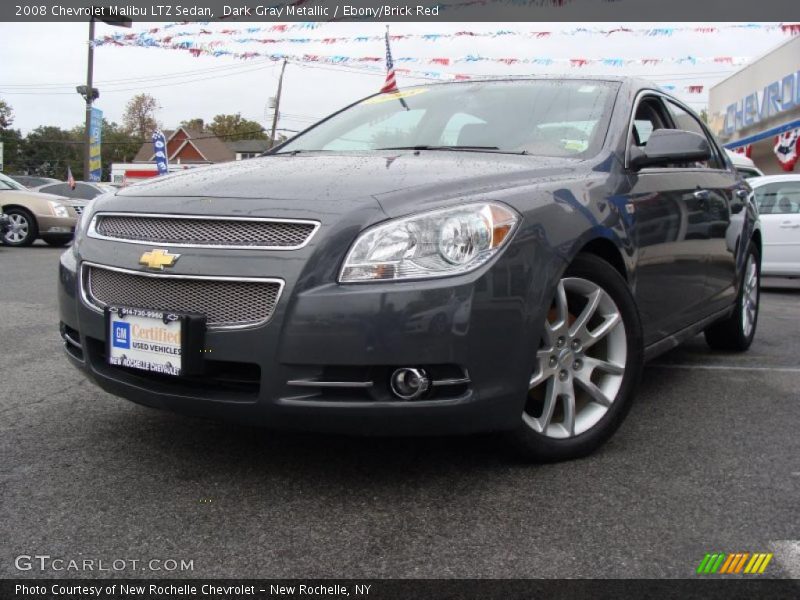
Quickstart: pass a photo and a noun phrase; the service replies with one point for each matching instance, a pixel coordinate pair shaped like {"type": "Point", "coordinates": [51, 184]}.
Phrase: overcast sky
{"type": "Point", "coordinates": [48, 54]}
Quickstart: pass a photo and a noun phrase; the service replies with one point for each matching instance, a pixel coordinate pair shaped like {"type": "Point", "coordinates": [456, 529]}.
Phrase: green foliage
{"type": "Point", "coordinates": [48, 151]}
{"type": "Point", "coordinates": [139, 117]}
{"type": "Point", "coordinates": [235, 127]}
{"type": "Point", "coordinates": [6, 115]}
{"type": "Point", "coordinates": [197, 124]}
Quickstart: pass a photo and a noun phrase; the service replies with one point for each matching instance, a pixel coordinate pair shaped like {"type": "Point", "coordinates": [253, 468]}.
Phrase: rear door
{"type": "Point", "coordinates": [718, 221]}
{"type": "Point", "coordinates": [779, 206]}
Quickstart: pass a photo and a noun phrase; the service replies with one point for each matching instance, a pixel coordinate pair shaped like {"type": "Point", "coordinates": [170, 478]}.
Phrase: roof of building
{"type": "Point", "coordinates": [210, 147]}
{"type": "Point", "coordinates": [249, 145]}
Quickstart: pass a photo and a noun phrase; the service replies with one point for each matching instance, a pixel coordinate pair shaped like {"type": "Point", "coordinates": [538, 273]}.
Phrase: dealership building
{"type": "Point", "coordinates": [751, 108]}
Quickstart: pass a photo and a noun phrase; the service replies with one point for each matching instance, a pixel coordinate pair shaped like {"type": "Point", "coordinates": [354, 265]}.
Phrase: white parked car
{"type": "Point", "coordinates": [743, 165]}
{"type": "Point", "coordinates": [778, 198]}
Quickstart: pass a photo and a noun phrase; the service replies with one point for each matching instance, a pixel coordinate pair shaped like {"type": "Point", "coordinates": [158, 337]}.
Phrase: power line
{"type": "Point", "coordinates": [268, 63]}
{"type": "Point", "coordinates": [138, 88]}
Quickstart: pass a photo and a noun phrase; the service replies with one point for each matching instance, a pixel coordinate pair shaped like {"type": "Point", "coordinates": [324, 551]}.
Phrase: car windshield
{"type": "Point", "coordinates": [541, 117]}
{"type": "Point", "coordinates": [6, 183]}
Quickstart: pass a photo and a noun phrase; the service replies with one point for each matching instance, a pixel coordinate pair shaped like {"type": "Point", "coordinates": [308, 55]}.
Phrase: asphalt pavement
{"type": "Point", "coordinates": [707, 461]}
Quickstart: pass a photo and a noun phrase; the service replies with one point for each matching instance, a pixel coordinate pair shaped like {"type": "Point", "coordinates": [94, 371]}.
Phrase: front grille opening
{"type": "Point", "coordinates": [378, 376]}
{"type": "Point", "coordinates": [224, 302]}
{"type": "Point", "coordinates": [224, 379]}
{"type": "Point", "coordinates": [72, 341]}
{"type": "Point", "coordinates": [213, 232]}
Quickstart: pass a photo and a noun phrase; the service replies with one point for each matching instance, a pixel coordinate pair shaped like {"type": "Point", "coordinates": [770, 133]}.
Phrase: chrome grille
{"type": "Point", "coordinates": [225, 302]}
{"type": "Point", "coordinates": [214, 232]}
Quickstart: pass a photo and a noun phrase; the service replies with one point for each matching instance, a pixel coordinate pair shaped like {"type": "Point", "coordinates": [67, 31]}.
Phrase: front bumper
{"type": "Point", "coordinates": [482, 326]}
{"type": "Point", "coordinates": [56, 226]}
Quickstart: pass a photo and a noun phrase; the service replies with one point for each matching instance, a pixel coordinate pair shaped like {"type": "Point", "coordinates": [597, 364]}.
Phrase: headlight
{"type": "Point", "coordinates": [431, 244]}
{"type": "Point", "coordinates": [58, 209]}
{"type": "Point", "coordinates": [84, 217]}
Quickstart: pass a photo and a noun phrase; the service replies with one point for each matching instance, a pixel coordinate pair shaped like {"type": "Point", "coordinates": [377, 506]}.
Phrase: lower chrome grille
{"type": "Point", "coordinates": [226, 302]}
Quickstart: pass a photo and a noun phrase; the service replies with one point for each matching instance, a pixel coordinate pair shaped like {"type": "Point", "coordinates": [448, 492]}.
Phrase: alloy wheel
{"type": "Point", "coordinates": [750, 296]}
{"type": "Point", "coordinates": [580, 363]}
{"type": "Point", "coordinates": [18, 230]}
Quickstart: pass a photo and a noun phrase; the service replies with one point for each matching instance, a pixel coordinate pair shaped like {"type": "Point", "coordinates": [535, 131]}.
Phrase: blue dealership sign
{"type": "Point", "coordinates": [778, 97]}
{"type": "Point", "coordinates": [160, 150]}
{"type": "Point", "coordinates": [95, 137]}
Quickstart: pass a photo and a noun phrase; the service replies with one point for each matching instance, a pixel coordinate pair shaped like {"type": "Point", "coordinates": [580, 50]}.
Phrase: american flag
{"type": "Point", "coordinates": [390, 85]}
{"type": "Point", "coordinates": [70, 178]}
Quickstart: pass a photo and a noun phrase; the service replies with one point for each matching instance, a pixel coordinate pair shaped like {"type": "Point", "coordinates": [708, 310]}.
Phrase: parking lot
{"type": "Point", "coordinates": [707, 461]}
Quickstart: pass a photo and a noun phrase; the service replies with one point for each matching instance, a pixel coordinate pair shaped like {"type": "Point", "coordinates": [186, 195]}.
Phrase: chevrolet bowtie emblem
{"type": "Point", "coordinates": [158, 259]}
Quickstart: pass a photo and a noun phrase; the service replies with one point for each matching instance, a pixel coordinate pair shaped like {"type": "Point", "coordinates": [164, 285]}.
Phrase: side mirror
{"type": "Point", "coordinates": [668, 146]}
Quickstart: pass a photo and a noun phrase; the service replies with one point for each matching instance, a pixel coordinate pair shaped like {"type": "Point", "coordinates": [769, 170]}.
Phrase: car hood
{"type": "Point", "coordinates": [326, 178]}
{"type": "Point", "coordinates": [13, 196]}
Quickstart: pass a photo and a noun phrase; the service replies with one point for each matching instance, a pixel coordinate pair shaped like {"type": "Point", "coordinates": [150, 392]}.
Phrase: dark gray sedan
{"type": "Point", "coordinates": [456, 258]}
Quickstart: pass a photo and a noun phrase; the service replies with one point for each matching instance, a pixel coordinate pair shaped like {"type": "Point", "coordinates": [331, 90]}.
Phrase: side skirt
{"type": "Point", "coordinates": [671, 341]}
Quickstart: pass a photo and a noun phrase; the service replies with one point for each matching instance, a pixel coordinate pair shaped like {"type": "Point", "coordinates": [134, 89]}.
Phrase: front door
{"type": "Point", "coordinates": [665, 212]}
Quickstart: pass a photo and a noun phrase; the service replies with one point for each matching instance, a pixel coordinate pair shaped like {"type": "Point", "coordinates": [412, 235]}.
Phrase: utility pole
{"type": "Point", "coordinates": [277, 107]}
{"type": "Point", "coordinates": [89, 93]}
{"type": "Point", "coordinates": [87, 134]}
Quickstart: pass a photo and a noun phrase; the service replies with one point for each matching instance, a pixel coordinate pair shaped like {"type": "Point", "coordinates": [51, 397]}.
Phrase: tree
{"type": "Point", "coordinates": [139, 117]}
{"type": "Point", "coordinates": [235, 127]}
{"type": "Point", "coordinates": [117, 146]}
{"type": "Point", "coordinates": [48, 151]}
{"type": "Point", "coordinates": [704, 116]}
{"type": "Point", "coordinates": [197, 124]}
{"type": "Point", "coordinates": [6, 115]}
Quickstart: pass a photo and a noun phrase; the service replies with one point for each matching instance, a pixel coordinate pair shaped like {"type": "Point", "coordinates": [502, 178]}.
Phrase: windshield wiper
{"type": "Point", "coordinates": [292, 152]}
{"type": "Point", "coordinates": [456, 148]}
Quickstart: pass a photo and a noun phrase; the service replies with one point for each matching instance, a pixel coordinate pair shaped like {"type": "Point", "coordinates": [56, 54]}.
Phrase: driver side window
{"type": "Point", "coordinates": [649, 117]}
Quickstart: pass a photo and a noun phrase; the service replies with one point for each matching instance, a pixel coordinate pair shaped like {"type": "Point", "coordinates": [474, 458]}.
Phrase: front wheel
{"type": "Point", "coordinates": [587, 366]}
{"type": "Point", "coordinates": [22, 230]}
{"type": "Point", "coordinates": [736, 333]}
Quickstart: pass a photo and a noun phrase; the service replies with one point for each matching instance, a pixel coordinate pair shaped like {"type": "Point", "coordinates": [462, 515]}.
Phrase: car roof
{"type": "Point", "coordinates": [636, 82]}
{"type": "Point", "coordinates": [757, 181]}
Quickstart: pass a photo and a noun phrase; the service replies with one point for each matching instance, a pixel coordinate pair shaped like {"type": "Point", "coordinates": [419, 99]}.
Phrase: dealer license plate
{"type": "Point", "coordinates": [149, 340]}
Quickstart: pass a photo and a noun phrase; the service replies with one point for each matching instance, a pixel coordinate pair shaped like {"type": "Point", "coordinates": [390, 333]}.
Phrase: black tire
{"type": "Point", "coordinates": [57, 242]}
{"type": "Point", "coordinates": [730, 334]}
{"type": "Point", "coordinates": [32, 227]}
{"type": "Point", "coordinates": [537, 447]}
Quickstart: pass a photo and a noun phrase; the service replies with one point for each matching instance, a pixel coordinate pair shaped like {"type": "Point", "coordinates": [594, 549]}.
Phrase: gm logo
{"type": "Point", "coordinates": [122, 335]}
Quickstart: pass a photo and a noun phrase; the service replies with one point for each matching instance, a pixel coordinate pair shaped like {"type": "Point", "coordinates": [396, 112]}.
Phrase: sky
{"type": "Point", "coordinates": [40, 65]}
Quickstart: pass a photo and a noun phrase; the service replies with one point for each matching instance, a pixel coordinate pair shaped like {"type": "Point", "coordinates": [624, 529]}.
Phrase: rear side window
{"type": "Point", "coordinates": [59, 189]}
{"type": "Point", "coordinates": [779, 198]}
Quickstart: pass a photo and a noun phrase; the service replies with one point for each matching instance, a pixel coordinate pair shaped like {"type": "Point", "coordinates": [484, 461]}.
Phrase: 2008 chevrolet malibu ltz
{"type": "Point", "coordinates": [466, 257]}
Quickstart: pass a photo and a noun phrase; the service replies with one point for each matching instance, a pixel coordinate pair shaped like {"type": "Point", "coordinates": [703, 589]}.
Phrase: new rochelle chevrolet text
{"type": "Point", "coordinates": [456, 258]}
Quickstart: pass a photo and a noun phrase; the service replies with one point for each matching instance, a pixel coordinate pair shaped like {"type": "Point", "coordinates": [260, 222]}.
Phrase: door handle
{"type": "Point", "coordinates": [701, 195]}
{"type": "Point", "coordinates": [790, 226]}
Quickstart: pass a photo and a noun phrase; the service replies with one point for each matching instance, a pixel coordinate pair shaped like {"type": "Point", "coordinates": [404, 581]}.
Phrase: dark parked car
{"type": "Point", "coordinates": [455, 258]}
{"type": "Point", "coordinates": [32, 181]}
{"type": "Point", "coordinates": [83, 190]}
{"type": "Point", "coordinates": [5, 223]}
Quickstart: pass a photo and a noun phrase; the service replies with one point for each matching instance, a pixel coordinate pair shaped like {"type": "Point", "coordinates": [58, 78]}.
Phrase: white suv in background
{"type": "Point", "coordinates": [743, 165]}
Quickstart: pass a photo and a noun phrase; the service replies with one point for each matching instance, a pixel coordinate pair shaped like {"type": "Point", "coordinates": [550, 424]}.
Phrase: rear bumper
{"type": "Point", "coordinates": [463, 327]}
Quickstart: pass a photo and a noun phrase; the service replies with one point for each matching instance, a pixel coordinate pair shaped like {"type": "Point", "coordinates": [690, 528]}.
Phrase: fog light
{"type": "Point", "coordinates": [409, 384]}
